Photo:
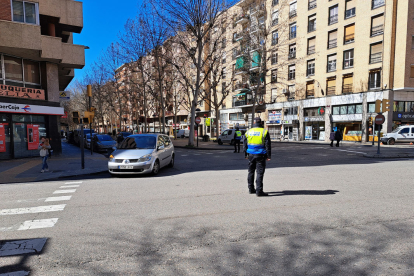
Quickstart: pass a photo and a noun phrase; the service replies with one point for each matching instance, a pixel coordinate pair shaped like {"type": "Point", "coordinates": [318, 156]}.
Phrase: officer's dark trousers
{"type": "Point", "coordinates": [237, 144]}
{"type": "Point", "coordinates": [256, 163]}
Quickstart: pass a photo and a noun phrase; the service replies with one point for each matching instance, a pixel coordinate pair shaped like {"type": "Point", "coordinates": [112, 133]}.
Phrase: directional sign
{"type": "Point", "coordinates": [379, 119]}
{"type": "Point", "coordinates": [197, 120]}
{"type": "Point", "coordinates": [64, 95]}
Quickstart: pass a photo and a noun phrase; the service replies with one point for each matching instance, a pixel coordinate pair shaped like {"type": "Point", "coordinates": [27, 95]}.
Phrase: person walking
{"type": "Point", "coordinates": [257, 148]}
{"type": "Point", "coordinates": [237, 139]}
{"type": "Point", "coordinates": [332, 137]}
{"type": "Point", "coordinates": [44, 148]}
{"type": "Point", "coordinates": [338, 137]}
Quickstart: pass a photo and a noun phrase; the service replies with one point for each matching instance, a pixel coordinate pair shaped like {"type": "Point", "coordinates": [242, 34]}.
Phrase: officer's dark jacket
{"type": "Point", "coordinates": [268, 143]}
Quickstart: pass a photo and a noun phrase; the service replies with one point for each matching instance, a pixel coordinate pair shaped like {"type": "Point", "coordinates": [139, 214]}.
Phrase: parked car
{"type": "Point", "coordinates": [77, 135]}
{"type": "Point", "coordinates": [122, 135]}
{"type": "Point", "coordinates": [402, 134]}
{"type": "Point", "coordinates": [103, 142]}
{"type": "Point", "coordinates": [87, 139]}
{"type": "Point", "coordinates": [228, 136]}
{"type": "Point", "coordinates": [142, 153]}
{"type": "Point", "coordinates": [183, 133]}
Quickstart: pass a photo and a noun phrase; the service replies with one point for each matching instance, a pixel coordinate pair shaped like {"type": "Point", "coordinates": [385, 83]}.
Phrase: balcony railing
{"type": "Point", "coordinates": [243, 69]}
{"type": "Point", "coordinates": [244, 102]}
{"type": "Point", "coordinates": [375, 58]}
{"type": "Point", "coordinates": [275, 41]}
{"type": "Point", "coordinates": [292, 55]}
{"type": "Point", "coordinates": [292, 35]}
{"type": "Point", "coordinates": [311, 50]}
{"type": "Point", "coordinates": [240, 86]}
{"type": "Point", "coordinates": [275, 2]}
{"type": "Point", "coordinates": [293, 13]}
{"type": "Point", "coordinates": [242, 18]}
{"type": "Point", "coordinates": [275, 22]}
{"type": "Point", "coordinates": [330, 91]}
{"type": "Point", "coordinates": [349, 38]}
{"type": "Point", "coordinates": [292, 76]}
{"type": "Point", "coordinates": [349, 13]}
{"type": "Point", "coordinates": [377, 30]}
{"type": "Point", "coordinates": [331, 66]}
{"type": "Point", "coordinates": [332, 43]}
{"type": "Point", "coordinates": [311, 4]}
{"type": "Point", "coordinates": [238, 36]}
{"type": "Point", "coordinates": [311, 27]}
{"type": "Point", "coordinates": [377, 3]}
{"type": "Point", "coordinates": [310, 72]}
{"type": "Point", "coordinates": [347, 88]}
{"type": "Point", "coordinates": [257, 9]}
{"type": "Point", "coordinates": [310, 93]}
{"type": "Point", "coordinates": [333, 19]}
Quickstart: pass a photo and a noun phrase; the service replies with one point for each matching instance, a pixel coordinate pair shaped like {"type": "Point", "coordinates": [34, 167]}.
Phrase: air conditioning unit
{"type": "Point", "coordinates": [284, 91]}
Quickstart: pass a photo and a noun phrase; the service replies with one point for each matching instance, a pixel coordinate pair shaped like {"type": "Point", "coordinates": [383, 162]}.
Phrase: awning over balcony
{"type": "Point", "coordinates": [240, 62]}
{"type": "Point", "coordinates": [256, 59]}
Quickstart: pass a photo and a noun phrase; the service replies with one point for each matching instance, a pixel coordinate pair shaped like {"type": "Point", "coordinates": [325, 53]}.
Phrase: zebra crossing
{"type": "Point", "coordinates": [48, 209]}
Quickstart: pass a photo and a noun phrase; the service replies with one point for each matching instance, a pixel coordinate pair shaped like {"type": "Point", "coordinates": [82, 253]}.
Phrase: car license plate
{"type": "Point", "coordinates": [125, 167]}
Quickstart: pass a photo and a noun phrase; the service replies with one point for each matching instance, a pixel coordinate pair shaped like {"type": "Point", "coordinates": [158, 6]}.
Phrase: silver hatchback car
{"type": "Point", "coordinates": [142, 153]}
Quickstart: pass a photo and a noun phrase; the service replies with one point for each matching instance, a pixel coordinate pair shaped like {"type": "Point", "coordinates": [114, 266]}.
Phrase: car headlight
{"type": "Point", "coordinates": [111, 158]}
{"type": "Point", "coordinates": [145, 158]}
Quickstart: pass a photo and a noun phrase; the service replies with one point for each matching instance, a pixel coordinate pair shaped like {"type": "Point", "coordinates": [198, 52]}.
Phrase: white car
{"type": "Point", "coordinates": [402, 134]}
{"type": "Point", "coordinates": [142, 153]}
{"type": "Point", "coordinates": [228, 136]}
{"type": "Point", "coordinates": [183, 133]}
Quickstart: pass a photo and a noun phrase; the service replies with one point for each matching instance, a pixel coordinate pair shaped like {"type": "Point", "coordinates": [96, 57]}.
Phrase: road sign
{"type": "Point", "coordinates": [379, 119]}
{"type": "Point", "coordinates": [64, 95]}
{"type": "Point", "coordinates": [197, 120]}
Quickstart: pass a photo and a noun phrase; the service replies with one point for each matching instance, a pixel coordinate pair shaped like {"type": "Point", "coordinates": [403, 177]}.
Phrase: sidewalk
{"type": "Point", "coordinates": [64, 165]}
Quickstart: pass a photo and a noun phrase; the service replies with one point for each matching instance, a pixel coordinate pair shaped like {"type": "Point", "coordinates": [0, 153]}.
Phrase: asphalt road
{"type": "Point", "coordinates": [331, 212]}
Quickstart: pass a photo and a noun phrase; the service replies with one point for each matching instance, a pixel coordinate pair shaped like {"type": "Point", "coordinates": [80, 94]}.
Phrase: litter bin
{"type": "Point", "coordinates": [205, 138]}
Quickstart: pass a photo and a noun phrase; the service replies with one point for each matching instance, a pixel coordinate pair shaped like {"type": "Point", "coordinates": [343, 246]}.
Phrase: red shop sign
{"type": "Point", "coordinates": [32, 137]}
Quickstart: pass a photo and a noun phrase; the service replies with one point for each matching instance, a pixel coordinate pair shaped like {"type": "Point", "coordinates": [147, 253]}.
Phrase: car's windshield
{"type": "Point", "coordinates": [125, 134]}
{"type": "Point", "coordinates": [396, 130]}
{"type": "Point", "coordinates": [104, 137]}
{"type": "Point", "coordinates": [139, 142]}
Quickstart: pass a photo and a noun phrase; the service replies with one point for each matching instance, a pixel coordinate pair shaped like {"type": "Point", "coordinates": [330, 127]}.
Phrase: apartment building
{"type": "Point", "coordinates": [325, 63]}
{"type": "Point", "coordinates": [38, 59]}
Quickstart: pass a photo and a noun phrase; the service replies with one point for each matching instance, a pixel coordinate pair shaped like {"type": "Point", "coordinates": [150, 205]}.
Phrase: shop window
{"type": "Point", "coordinates": [25, 12]}
{"type": "Point", "coordinates": [335, 110]}
{"type": "Point", "coordinates": [236, 116]}
{"type": "Point", "coordinates": [13, 72]}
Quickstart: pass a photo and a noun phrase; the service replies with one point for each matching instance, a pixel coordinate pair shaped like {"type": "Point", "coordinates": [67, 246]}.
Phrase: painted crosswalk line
{"type": "Point", "coordinates": [64, 191]}
{"type": "Point", "coordinates": [19, 247]}
{"type": "Point", "coordinates": [69, 186]}
{"type": "Point", "coordinates": [76, 182]}
{"type": "Point", "coordinates": [58, 198]}
{"type": "Point", "coordinates": [32, 210]}
{"type": "Point", "coordinates": [37, 224]}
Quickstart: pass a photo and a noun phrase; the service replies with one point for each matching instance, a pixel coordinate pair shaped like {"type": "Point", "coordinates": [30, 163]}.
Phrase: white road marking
{"type": "Point", "coordinates": [64, 191]}
{"type": "Point", "coordinates": [69, 186]}
{"type": "Point", "coordinates": [58, 198]}
{"type": "Point", "coordinates": [351, 151]}
{"type": "Point", "coordinates": [77, 182]}
{"type": "Point", "coordinates": [16, 273]}
{"type": "Point", "coordinates": [19, 247]}
{"type": "Point", "coordinates": [32, 210]}
{"type": "Point", "coordinates": [39, 223]}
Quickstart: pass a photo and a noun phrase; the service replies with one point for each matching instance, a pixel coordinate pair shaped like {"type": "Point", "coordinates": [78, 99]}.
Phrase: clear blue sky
{"type": "Point", "coordinates": [102, 23]}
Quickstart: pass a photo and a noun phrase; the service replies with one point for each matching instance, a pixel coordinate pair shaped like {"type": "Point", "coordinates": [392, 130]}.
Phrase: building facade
{"type": "Point", "coordinates": [38, 59]}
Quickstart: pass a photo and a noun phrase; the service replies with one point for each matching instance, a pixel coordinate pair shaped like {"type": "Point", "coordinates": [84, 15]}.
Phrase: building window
{"type": "Point", "coordinates": [236, 116]}
{"type": "Point", "coordinates": [374, 79]}
{"type": "Point", "coordinates": [349, 59]}
{"type": "Point", "coordinates": [293, 9]}
{"type": "Point", "coordinates": [333, 15]}
{"type": "Point", "coordinates": [377, 25]}
{"type": "Point", "coordinates": [412, 71]}
{"type": "Point", "coordinates": [292, 94]}
{"type": "Point", "coordinates": [310, 90]}
{"type": "Point", "coordinates": [349, 34]}
{"type": "Point", "coordinates": [350, 8]}
{"type": "Point", "coordinates": [224, 57]}
{"type": "Point", "coordinates": [331, 63]}
{"type": "Point", "coordinates": [292, 72]}
{"type": "Point", "coordinates": [224, 72]}
{"type": "Point", "coordinates": [332, 39]}
{"type": "Point", "coordinates": [275, 37]}
{"type": "Point", "coordinates": [223, 43]}
{"type": "Point", "coordinates": [376, 53]}
{"type": "Point", "coordinates": [275, 18]}
{"type": "Point", "coordinates": [347, 84]}
{"type": "Point", "coordinates": [274, 95]}
{"type": "Point", "coordinates": [310, 68]}
{"type": "Point", "coordinates": [274, 58]}
{"type": "Point", "coordinates": [377, 3]}
{"type": "Point", "coordinates": [275, 2]}
{"type": "Point", "coordinates": [292, 31]}
{"type": "Point", "coordinates": [274, 76]}
{"type": "Point", "coordinates": [311, 45]}
{"type": "Point", "coordinates": [19, 72]}
{"type": "Point", "coordinates": [347, 109]}
{"type": "Point", "coordinates": [311, 4]}
{"type": "Point", "coordinates": [312, 23]}
{"type": "Point", "coordinates": [292, 51]}
{"type": "Point", "coordinates": [25, 12]}
{"type": "Point", "coordinates": [331, 86]}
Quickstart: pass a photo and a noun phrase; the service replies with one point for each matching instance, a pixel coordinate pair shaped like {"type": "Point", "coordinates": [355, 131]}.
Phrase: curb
{"type": "Point", "coordinates": [386, 156]}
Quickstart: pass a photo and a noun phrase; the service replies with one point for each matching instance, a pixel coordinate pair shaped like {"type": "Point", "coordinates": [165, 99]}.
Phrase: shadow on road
{"type": "Point", "coordinates": [303, 192]}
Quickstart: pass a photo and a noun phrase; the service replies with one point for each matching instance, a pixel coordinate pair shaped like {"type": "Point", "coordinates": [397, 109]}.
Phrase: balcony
{"type": "Point", "coordinates": [377, 30]}
{"type": "Point", "coordinates": [242, 19]}
{"type": "Point", "coordinates": [292, 35]}
{"type": "Point", "coordinates": [333, 19]}
{"type": "Point", "coordinates": [375, 58]}
{"type": "Point", "coordinates": [347, 88]}
{"type": "Point", "coordinates": [377, 3]}
{"type": "Point", "coordinates": [311, 27]}
{"type": "Point", "coordinates": [330, 91]}
{"type": "Point", "coordinates": [332, 43]}
{"type": "Point", "coordinates": [311, 50]}
{"type": "Point", "coordinates": [238, 36]}
{"type": "Point", "coordinates": [258, 10]}
{"type": "Point", "coordinates": [293, 13]}
{"type": "Point", "coordinates": [310, 93]}
{"type": "Point", "coordinates": [242, 102]}
{"type": "Point", "coordinates": [292, 55]}
{"type": "Point", "coordinates": [349, 38]}
{"type": "Point", "coordinates": [68, 12]}
{"type": "Point", "coordinates": [241, 70]}
{"type": "Point", "coordinates": [20, 36]}
{"type": "Point", "coordinates": [241, 86]}
{"type": "Point", "coordinates": [311, 4]}
{"type": "Point", "coordinates": [69, 55]}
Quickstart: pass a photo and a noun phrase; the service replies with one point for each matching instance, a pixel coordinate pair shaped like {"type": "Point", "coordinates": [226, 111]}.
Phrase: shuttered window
{"type": "Point", "coordinates": [349, 34]}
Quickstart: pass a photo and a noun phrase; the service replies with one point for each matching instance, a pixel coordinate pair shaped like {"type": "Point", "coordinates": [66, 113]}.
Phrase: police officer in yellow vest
{"type": "Point", "coordinates": [257, 148]}
{"type": "Point", "coordinates": [237, 139]}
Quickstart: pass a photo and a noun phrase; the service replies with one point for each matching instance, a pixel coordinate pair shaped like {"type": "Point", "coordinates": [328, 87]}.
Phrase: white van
{"type": "Point", "coordinates": [183, 133]}
{"type": "Point", "coordinates": [402, 134]}
{"type": "Point", "coordinates": [228, 136]}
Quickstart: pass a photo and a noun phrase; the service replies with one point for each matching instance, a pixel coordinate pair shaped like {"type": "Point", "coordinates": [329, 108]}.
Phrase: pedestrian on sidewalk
{"type": "Point", "coordinates": [332, 137]}
{"type": "Point", "coordinates": [44, 148]}
{"type": "Point", "coordinates": [257, 148]}
{"type": "Point", "coordinates": [338, 137]}
{"type": "Point", "coordinates": [237, 139]}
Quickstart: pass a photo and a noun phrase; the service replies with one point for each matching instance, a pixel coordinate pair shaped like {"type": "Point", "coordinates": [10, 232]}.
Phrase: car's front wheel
{"type": "Point", "coordinates": [391, 141]}
{"type": "Point", "coordinates": [220, 142]}
{"type": "Point", "coordinates": [171, 165]}
{"type": "Point", "coordinates": [156, 167]}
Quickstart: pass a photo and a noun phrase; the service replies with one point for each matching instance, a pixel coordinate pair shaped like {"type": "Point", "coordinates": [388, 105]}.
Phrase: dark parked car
{"type": "Point", "coordinates": [122, 135]}
{"type": "Point", "coordinates": [103, 142]}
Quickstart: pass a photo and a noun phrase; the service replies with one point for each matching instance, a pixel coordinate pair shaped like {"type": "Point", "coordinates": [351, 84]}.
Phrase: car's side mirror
{"type": "Point", "coordinates": [114, 148]}
{"type": "Point", "coordinates": [161, 147]}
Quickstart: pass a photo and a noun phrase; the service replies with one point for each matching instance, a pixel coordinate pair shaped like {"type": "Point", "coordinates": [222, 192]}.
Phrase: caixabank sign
{"type": "Point", "coordinates": [31, 109]}
{"type": "Point", "coordinates": [403, 116]}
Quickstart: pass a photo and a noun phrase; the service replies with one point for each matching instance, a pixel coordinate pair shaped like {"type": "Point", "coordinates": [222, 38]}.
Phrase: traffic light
{"type": "Point", "coordinates": [385, 105]}
{"type": "Point", "coordinates": [370, 121]}
{"type": "Point", "coordinates": [90, 115]}
{"type": "Point", "coordinates": [85, 120]}
{"type": "Point", "coordinates": [377, 106]}
{"type": "Point", "coordinates": [75, 116]}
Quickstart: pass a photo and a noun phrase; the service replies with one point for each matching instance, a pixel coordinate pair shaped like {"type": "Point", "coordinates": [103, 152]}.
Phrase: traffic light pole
{"type": "Point", "coordinates": [90, 125]}
{"type": "Point", "coordinates": [82, 148]}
